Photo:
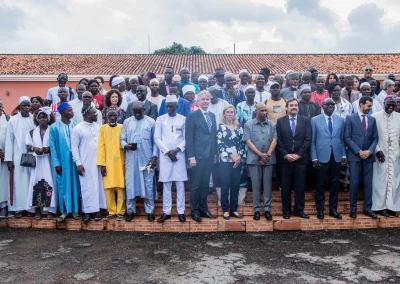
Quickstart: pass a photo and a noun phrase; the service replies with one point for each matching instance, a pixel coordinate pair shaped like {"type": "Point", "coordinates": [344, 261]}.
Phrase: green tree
{"type": "Point", "coordinates": [178, 48]}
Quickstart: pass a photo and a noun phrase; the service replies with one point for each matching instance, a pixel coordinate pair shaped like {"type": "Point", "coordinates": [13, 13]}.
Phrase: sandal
{"type": "Point", "coordinates": [109, 217]}
{"type": "Point", "coordinates": [50, 216]}
{"type": "Point", "coordinates": [18, 215]}
{"type": "Point", "coordinates": [120, 217]}
{"type": "Point", "coordinates": [62, 218]}
{"type": "Point", "coordinates": [76, 216]}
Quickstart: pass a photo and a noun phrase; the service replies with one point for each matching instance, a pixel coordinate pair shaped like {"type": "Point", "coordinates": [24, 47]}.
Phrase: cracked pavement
{"type": "Point", "coordinates": [348, 256]}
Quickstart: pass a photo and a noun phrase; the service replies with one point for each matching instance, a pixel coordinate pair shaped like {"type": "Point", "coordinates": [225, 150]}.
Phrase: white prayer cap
{"type": "Point", "coordinates": [117, 80]}
{"type": "Point", "coordinates": [155, 80]}
{"type": "Point", "coordinates": [249, 87]}
{"type": "Point", "coordinates": [228, 75]}
{"type": "Point", "coordinates": [303, 87]}
{"type": "Point", "coordinates": [243, 71]}
{"type": "Point", "coordinates": [203, 77]}
{"type": "Point", "coordinates": [188, 88]}
{"type": "Point", "coordinates": [133, 78]}
{"type": "Point", "coordinates": [23, 99]}
{"type": "Point", "coordinates": [171, 99]}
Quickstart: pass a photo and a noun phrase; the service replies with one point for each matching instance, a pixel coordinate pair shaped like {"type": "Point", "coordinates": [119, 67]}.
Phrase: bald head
{"type": "Point", "coordinates": [261, 112]}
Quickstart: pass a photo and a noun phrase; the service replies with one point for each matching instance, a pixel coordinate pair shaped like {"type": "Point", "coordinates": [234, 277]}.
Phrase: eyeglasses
{"type": "Point", "coordinates": [329, 104]}
{"type": "Point", "coordinates": [368, 70]}
{"type": "Point", "coordinates": [87, 97]}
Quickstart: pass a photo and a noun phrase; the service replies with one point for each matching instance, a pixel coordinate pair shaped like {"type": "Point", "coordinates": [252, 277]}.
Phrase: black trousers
{"type": "Point", "coordinates": [296, 173]}
{"type": "Point", "coordinates": [200, 184]}
{"type": "Point", "coordinates": [328, 175]}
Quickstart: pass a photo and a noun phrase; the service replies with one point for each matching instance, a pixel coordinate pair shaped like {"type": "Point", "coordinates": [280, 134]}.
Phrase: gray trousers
{"type": "Point", "coordinates": [258, 174]}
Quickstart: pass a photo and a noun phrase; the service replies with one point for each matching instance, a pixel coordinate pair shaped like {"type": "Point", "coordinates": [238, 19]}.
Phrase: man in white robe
{"type": "Point", "coordinates": [83, 98]}
{"type": "Point", "coordinates": [385, 181]}
{"type": "Point", "coordinates": [137, 139]}
{"type": "Point", "coordinates": [17, 129]}
{"type": "Point", "coordinates": [169, 136]}
{"type": "Point", "coordinates": [4, 173]}
{"type": "Point", "coordinates": [84, 139]}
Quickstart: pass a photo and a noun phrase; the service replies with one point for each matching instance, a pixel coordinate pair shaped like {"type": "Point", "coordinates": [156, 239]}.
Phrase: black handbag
{"type": "Point", "coordinates": [28, 160]}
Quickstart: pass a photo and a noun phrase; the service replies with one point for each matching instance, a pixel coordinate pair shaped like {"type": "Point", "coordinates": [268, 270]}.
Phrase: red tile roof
{"type": "Point", "coordinates": [127, 64]}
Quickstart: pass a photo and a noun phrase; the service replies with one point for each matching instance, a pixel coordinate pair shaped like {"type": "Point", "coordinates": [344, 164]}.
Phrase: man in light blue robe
{"type": "Point", "coordinates": [62, 161]}
{"type": "Point", "coordinates": [137, 139]}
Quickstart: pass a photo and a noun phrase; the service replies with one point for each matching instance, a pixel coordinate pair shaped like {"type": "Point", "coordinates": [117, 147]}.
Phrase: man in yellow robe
{"type": "Point", "coordinates": [110, 157]}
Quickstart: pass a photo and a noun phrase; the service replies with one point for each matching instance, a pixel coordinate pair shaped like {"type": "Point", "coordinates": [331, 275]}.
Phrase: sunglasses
{"type": "Point", "coordinates": [87, 97]}
{"type": "Point", "coordinates": [329, 104]}
{"type": "Point", "coordinates": [368, 70]}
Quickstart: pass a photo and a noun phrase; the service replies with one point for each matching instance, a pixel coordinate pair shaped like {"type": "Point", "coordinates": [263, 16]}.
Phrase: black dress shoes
{"type": "Point", "coordinates": [320, 215]}
{"type": "Point", "coordinates": [302, 215]}
{"type": "Point", "coordinates": [370, 214]}
{"type": "Point", "coordinates": [86, 218]}
{"type": "Point", "coordinates": [196, 217]}
{"type": "Point", "coordinates": [335, 215]}
{"type": "Point", "coordinates": [268, 215]}
{"type": "Point", "coordinates": [151, 217]}
{"type": "Point", "coordinates": [163, 218]}
{"type": "Point", "coordinates": [256, 215]}
{"type": "Point", "coordinates": [286, 215]}
{"type": "Point", "coordinates": [384, 213]}
{"type": "Point", "coordinates": [226, 217]}
{"type": "Point", "coordinates": [130, 217]}
{"type": "Point", "coordinates": [236, 215]}
{"type": "Point", "coordinates": [181, 218]}
{"type": "Point", "coordinates": [207, 215]}
{"type": "Point", "coordinates": [353, 215]}
{"type": "Point", "coordinates": [393, 213]}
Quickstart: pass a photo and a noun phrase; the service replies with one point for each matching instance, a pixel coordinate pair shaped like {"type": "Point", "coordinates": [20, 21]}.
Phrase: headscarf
{"type": "Point", "coordinates": [303, 87]}
{"type": "Point", "coordinates": [117, 80]}
{"type": "Point", "coordinates": [46, 110]}
{"type": "Point", "coordinates": [63, 106]}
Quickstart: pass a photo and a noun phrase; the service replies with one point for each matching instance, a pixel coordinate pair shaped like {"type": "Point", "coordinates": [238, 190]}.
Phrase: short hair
{"type": "Point", "coordinates": [348, 78]}
{"type": "Point", "coordinates": [387, 83]}
{"type": "Point", "coordinates": [93, 81]}
{"type": "Point", "coordinates": [151, 75]}
{"type": "Point", "coordinates": [204, 92]}
{"type": "Point", "coordinates": [59, 75]}
{"type": "Point", "coordinates": [110, 80]}
{"type": "Point", "coordinates": [332, 86]}
{"type": "Point", "coordinates": [363, 100]}
{"type": "Point", "coordinates": [101, 79]}
{"type": "Point", "coordinates": [38, 98]}
{"type": "Point", "coordinates": [266, 70]}
{"type": "Point", "coordinates": [108, 95]}
{"type": "Point", "coordinates": [291, 100]}
{"type": "Point", "coordinates": [170, 67]}
{"type": "Point", "coordinates": [35, 117]}
{"type": "Point", "coordinates": [84, 79]}
{"type": "Point", "coordinates": [371, 79]}
{"type": "Point", "coordinates": [223, 121]}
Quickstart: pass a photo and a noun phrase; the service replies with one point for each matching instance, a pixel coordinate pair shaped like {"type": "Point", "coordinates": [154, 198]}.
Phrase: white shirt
{"type": "Point", "coordinates": [327, 119]}
{"type": "Point", "coordinates": [376, 106]}
{"type": "Point", "coordinates": [52, 94]}
{"type": "Point", "coordinates": [218, 109]}
{"type": "Point", "coordinates": [290, 121]}
{"type": "Point", "coordinates": [261, 97]}
{"type": "Point", "coordinates": [361, 118]}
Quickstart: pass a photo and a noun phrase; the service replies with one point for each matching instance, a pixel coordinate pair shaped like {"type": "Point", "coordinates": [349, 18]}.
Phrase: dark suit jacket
{"type": "Point", "coordinates": [163, 90]}
{"type": "Point", "coordinates": [200, 143]}
{"type": "Point", "coordinates": [313, 107]}
{"type": "Point", "coordinates": [357, 140]}
{"type": "Point", "coordinates": [183, 107]}
{"type": "Point", "coordinates": [149, 109]}
{"type": "Point", "coordinates": [302, 139]}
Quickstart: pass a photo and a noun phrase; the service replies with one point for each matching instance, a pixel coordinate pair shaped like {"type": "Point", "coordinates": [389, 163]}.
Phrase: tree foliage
{"type": "Point", "coordinates": [178, 48]}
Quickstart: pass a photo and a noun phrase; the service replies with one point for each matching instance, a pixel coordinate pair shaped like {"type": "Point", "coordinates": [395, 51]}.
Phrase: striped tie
{"type": "Point", "coordinates": [208, 120]}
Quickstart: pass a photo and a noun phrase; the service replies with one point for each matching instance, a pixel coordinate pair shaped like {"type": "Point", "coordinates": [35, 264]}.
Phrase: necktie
{"type": "Point", "coordinates": [330, 127]}
{"type": "Point", "coordinates": [364, 123]}
{"type": "Point", "coordinates": [208, 120]}
{"type": "Point", "coordinates": [293, 126]}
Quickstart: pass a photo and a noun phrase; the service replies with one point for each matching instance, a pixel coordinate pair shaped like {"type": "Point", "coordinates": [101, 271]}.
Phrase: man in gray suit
{"type": "Point", "coordinates": [149, 109]}
{"type": "Point", "coordinates": [328, 154]}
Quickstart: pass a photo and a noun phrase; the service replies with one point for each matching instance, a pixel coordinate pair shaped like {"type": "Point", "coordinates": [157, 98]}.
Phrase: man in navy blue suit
{"type": "Point", "coordinates": [328, 154]}
{"type": "Point", "coordinates": [361, 138]}
{"type": "Point", "coordinates": [183, 105]}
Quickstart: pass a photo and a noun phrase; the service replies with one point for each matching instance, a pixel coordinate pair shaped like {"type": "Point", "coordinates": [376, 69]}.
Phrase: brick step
{"type": "Point", "coordinates": [276, 196]}
{"type": "Point", "coordinates": [247, 224]}
{"type": "Point", "coordinates": [247, 209]}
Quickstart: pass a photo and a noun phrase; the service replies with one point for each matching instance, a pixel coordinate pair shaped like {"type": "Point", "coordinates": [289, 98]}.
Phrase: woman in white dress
{"type": "Point", "coordinates": [42, 187]}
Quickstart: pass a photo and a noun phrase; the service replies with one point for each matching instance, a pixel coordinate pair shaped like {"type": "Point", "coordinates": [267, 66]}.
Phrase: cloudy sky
{"type": "Point", "coordinates": [256, 26]}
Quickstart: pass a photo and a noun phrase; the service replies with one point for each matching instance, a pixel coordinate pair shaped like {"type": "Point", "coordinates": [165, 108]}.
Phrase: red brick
{"type": "Point", "coordinates": [70, 224]}
{"type": "Point", "coordinates": [364, 222]}
{"type": "Point", "coordinates": [93, 225]}
{"type": "Point", "coordinates": [174, 225]}
{"type": "Point", "coordinates": [231, 226]}
{"type": "Point", "coordinates": [313, 224]}
{"type": "Point", "coordinates": [292, 224]}
{"type": "Point", "coordinates": [388, 222]}
{"type": "Point", "coordinates": [258, 226]}
{"type": "Point", "coordinates": [44, 224]}
{"type": "Point", "coordinates": [143, 225]}
{"type": "Point", "coordinates": [345, 223]}
{"type": "Point", "coordinates": [25, 222]}
{"type": "Point", "coordinates": [207, 225]}
{"type": "Point", "coordinates": [3, 223]}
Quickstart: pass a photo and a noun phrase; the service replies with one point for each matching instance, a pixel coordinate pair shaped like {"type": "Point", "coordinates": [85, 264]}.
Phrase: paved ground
{"type": "Point", "coordinates": [40, 256]}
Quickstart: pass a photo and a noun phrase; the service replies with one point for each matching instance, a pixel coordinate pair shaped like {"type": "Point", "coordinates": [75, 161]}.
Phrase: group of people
{"type": "Point", "coordinates": [88, 149]}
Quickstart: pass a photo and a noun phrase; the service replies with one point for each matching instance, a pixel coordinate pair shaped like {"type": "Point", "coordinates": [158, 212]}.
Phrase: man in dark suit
{"type": "Point", "coordinates": [361, 138]}
{"type": "Point", "coordinates": [201, 148]}
{"type": "Point", "coordinates": [328, 154]}
{"type": "Point", "coordinates": [294, 139]}
{"type": "Point", "coordinates": [183, 105]}
{"type": "Point", "coordinates": [149, 109]}
{"type": "Point", "coordinates": [164, 86]}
